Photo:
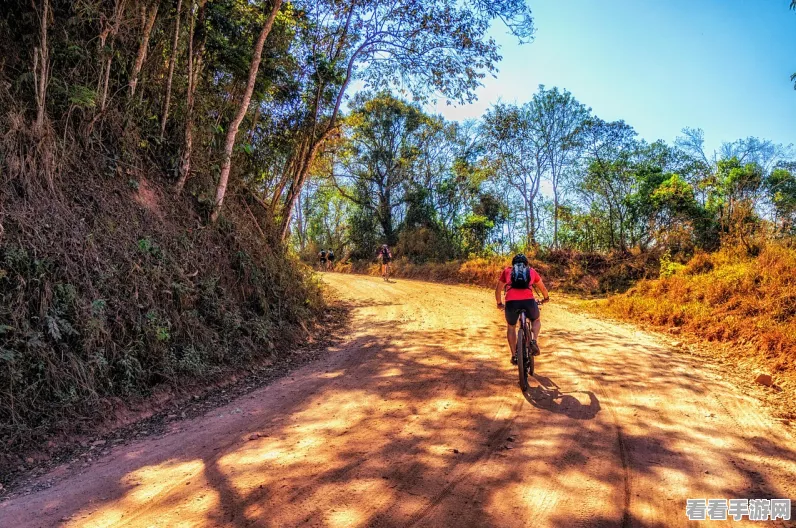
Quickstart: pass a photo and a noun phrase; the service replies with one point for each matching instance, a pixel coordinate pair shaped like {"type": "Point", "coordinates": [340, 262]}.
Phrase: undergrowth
{"type": "Point", "coordinates": [110, 290]}
{"type": "Point", "coordinates": [725, 297]}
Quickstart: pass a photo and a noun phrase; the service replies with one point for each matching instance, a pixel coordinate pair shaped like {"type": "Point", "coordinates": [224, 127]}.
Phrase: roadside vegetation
{"type": "Point", "coordinates": [677, 235]}
{"type": "Point", "coordinates": [152, 155]}
{"type": "Point", "coordinates": [166, 166]}
{"type": "Point", "coordinates": [725, 297]}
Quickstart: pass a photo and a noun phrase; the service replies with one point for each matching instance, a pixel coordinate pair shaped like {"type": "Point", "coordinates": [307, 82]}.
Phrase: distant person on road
{"type": "Point", "coordinates": [386, 257]}
{"type": "Point", "coordinates": [322, 260]}
{"type": "Point", "coordinates": [330, 260]}
{"type": "Point", "coordinates": [517, 282]}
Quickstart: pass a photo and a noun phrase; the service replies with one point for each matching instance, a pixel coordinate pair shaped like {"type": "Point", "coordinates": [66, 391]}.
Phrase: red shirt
{"type": "Point", "coordinates": [513, 294]}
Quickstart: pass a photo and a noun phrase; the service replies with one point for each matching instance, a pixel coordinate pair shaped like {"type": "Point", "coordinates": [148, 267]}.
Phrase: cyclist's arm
{"type": "Point", "coordinates": [543, 289]}
{"type": "Point", "coordinates": [499, 289]}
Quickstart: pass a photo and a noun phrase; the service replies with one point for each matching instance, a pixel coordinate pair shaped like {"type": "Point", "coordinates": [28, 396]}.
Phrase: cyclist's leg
{"type": "Point", "coordinates": [535, 316]}
{"type": "Point", "coordinates": [511, 335]}
{"type": "Point", "coordinates": [535, 324]}
{"type": "Point", "coordinates": [512, 315]}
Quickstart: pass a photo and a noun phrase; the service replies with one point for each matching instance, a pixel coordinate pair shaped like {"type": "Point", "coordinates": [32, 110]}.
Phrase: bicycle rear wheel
{"type": "Point", "coordinates": [522, 357]}
{"type": "Point", "coordinates": [529, 352]}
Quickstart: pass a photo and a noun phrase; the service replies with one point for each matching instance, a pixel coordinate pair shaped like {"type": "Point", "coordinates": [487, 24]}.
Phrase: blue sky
{"type": "Point", "coordinates": [720, 65]}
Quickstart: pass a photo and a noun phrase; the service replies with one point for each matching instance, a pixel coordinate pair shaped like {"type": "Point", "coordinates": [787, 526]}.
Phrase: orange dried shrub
{"type": "Point", "coordinates": [725, 297]}
{"type": "Point", "coordinates": [478, 272]}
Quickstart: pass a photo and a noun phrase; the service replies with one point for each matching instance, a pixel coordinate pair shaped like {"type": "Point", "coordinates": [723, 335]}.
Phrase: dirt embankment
{"type": "Point", "coordinates": [114, 294]}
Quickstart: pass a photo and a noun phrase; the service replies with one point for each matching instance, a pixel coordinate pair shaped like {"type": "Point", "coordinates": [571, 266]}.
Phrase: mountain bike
{"type": "Point", "coordinates": [525, 361]}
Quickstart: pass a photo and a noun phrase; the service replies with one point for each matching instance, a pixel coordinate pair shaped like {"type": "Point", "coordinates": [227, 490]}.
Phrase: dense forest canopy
{"type": "Point", "coordinates": [255, 99]}
{"type": "Point", "coordinates": [213, 89]}
{"type": "Point", "coordinates": [546, 173]}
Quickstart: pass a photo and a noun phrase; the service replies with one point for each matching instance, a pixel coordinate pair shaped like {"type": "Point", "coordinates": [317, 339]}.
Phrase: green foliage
{"type": "Point", "coordinates": [444, 192]}
{"type": "Point", "coordinates": [781, 188]}
{"type": "Point", "coordinates": [669, 267]}
{"type": "Point", "coordinates": [148, 247]}
{"type": "Point", "coordinates": [82, 97]}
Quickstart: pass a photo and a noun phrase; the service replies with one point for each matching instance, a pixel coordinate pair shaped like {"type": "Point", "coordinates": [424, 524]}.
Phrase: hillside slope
{"type": "Point", "coordinates": [111, 288]}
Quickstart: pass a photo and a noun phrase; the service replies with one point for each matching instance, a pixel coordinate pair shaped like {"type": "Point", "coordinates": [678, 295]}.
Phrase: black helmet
{"type": "Point", "coordinates": [519, 257]}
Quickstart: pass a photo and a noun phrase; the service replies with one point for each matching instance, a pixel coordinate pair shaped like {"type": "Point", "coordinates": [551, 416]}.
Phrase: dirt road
{"type": "Point", "coordinates": [416, 419]}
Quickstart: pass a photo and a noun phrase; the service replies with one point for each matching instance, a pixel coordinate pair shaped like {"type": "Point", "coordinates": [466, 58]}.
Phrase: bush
{"type": "Point", "coordinates": [668, 267]}
{"type": "Point", "coordinates": [725, 297]}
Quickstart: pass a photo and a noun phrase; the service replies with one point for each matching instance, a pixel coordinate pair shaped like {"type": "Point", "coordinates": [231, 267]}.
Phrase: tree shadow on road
{"type": "Point", "coordinates": [412, 426]}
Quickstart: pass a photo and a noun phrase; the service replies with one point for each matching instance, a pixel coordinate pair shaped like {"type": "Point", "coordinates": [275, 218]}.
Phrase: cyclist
{"type": "Point", "coordinates": [322, 259]}
{"type": "Point", "coordinates": [386, 257]}
{"type": "Point", "coordinates": [517, 281]}
{"type": "Point", "coordinates": [330, 260]}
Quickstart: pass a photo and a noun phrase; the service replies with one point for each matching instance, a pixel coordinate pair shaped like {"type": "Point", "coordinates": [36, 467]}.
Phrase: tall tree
{"type": "Point", "coordinates": [518, 155]}
{"type": "Point", "coordinates": [195, 53]}
{"type": "Point", "coordinates": [172, 62]}
{"type": "Point", "coordinates": [386, 141]}
{"type": "Point", "coordinates": [148, 16]}
{"type": "Point", "coordinates": [109, 31]}
{"type": "Point", "coordinates": [556, 118]}
{"type": "Point", "coordinates": [609, 149]}
{"type": "Point", "coordinates": [41, 67]}
{"type": "Point", "coordinates": [243, 107]}
{"type": "Point", "coordinates": [424, 47]}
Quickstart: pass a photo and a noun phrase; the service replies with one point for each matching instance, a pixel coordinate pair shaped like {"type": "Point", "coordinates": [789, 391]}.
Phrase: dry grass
{"type": "Point", "coordinates": [723, 297]}
{"type": "Point", "coordinates": [727, 298]}
{"type": "Point", "coordinates": [478, 272]}
{"type": "Point", "coordinates": [561, 270]}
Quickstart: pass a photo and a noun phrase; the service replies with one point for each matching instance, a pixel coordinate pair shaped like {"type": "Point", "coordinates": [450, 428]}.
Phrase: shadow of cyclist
{"type": "Point", "coordinates": [548, 396]}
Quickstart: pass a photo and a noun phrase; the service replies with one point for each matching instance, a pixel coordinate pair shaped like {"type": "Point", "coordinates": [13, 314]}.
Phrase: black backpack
{"type": "Point", "coordinates": [520, 276]}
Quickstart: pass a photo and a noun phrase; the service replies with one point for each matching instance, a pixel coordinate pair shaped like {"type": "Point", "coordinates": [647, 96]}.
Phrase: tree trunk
{"type": "Point", "coordinates": [194, 65]}
{"type": "Point", "coordinates": [41, 62]}
{"type": "Point", "coordinates": [256, 119]}
{"type": "Point", "coordinates": [291, 198]}
{"type": "Point", "coordinates": [149, 23]}
{"type": "Point", "coordinates": [300, 220]}
{"type": "Point", "coordinates": [111, 31]}
{"type": "Point", "coordinates": [172, 61]}
{"type": "Point", "coordinates": [298, 183]}
{"type": "Point", "coordinates": [242, 109]}
{"type": "Point", "coordinates": [555, 218]}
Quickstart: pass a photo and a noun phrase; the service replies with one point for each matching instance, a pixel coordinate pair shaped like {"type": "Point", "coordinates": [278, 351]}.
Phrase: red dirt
{"type": "Point", "coordinates": [416, 420]}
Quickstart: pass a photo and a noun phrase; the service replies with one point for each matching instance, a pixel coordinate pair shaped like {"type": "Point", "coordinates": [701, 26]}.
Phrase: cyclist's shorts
{"type": "Point", "coordinates": [330, 257]}
{"type": "Point", "coordinates": [385, 260]}
{"type": "Point", "coordinates": [323, 259]}
{"type": "Point", "coordinates": [513, 310]}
